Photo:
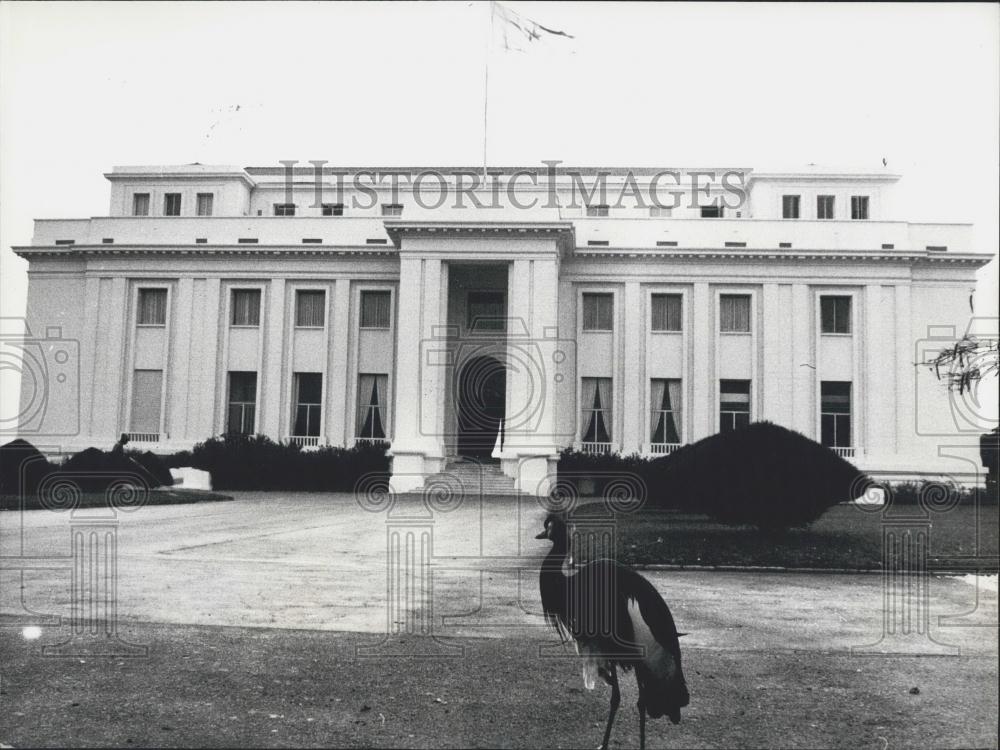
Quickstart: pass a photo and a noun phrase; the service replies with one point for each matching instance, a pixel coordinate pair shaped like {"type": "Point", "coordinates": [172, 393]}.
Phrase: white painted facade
{"type": "Point", "coordinates": [905, 282]}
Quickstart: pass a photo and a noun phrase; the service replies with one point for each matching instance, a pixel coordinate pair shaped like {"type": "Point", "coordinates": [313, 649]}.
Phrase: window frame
{"type": "Point", "coordinates": [832, 206]}
{"type": "Point", "coordinates": [584, 294]}
{"type": "Point", "coordinates": [723, 412]}
{"type": "Point", "coordinates": [295, 302]}
{"type": "Point", "coordinates": [232, 305]}
{"type": "Point", "coordinates": [864, 201]}
{"type": "Point", "coordinates": [678, 423]}
{"type": "Point", "coordinates": [849, 414]}
{"type": "Point", "coordinates": [823, 295]}
{"type": "Point", "coordinates": [391, 210]}
{"type": "Point", "coordinates": [297, 402]}
{"type": "Point", "coordinates": [597, 210]}
{"type": "Point", "coordinates": [716, 207]}
{"type": "Point", "coordinates": [281, 210]}
{"type": "Point", "coordinates": [149, 203]}
{"type": "Point", "coordinates": [167, 198]}
{"type": "Point", "coordinates": [199, 197]}
{"type": "Point", "coordinates": [361, 302]}
{"type": "Point", "coordinates": [607, 410]}
{"type": "Point", "coordinates": [797, 205]}
{"type": "Point", "coordinates": [722, 294]}
{"type": "Point", "coordinates": [385, 416]}
{"type": "Point", "coordinates": [138, 305]}
{"type": "Point", "coordinates": [335, 209]}
{"type": "Point", "coordinates": [652, 297]}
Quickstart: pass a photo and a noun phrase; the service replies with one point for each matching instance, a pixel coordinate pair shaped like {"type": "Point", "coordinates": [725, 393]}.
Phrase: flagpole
{"type": "Point", "coordinates": [486, 87]}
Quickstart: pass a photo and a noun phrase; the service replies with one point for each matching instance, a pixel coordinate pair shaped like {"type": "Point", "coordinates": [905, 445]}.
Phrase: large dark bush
{"type": "Point", "coordinates": [22, 469]}
{"type": "Point", "coordinates": [240, 462]}
{"type": "Point", "coordinates": [95, 470]}
{"type": "Point", "coordinates": [763, 474]}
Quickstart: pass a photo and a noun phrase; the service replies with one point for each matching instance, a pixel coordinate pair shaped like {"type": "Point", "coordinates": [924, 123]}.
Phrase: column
{"type": "Point", "coordinates": [776, 365]}
{"type": "Point", "coordinates": [633, 370]}
{"type": "Point", "coordinates": [274, 346]}
{"type": "Point", "coordinates": [906, 374]}
{"type": "Point", "coordinates": [702, 375]}
{"type": "Point", "coordinates": [338, 366]}
{"type": "Point", "coordinates": [874, 393]}
{"type": "Point", "coordinates": [804, 413]}
{"type": "Point", "coordinates": [209, 372]}
{"type": "Point", "coordinates": [110, 363]}
{"type": "Point", "coordinates": [179, 362]}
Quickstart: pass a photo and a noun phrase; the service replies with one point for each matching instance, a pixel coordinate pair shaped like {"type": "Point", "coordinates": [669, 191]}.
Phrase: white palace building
{"type": "Point", "coordinates": [611, 310]}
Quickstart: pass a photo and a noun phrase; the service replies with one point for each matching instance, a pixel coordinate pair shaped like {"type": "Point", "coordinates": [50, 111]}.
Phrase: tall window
{"type": "Point", "coordinates": [376, 309]}
{"type": "Point", "coordinates": [308, 404]}
{"type": "Point", "coordinates": [824, 207]}
{"type": "Point", "coordinates": [152, 306]}
{"type": "Point", "coordinates": [140, 204]}
{"type": "Point", "coordinates": [333, 209]}
{"type": "Point", "coordinates": [665, 411]}
{"type": "Point", "coordinates": [835, 414]}
{"type": "Point", "coordinates": [486, 311]}
{"type": "Point", "coordinates": [666, 312]}
{"type": "Point", "coordinates": [712, 212]}
{"type": "Point", "coordinates": [598, 312]}
{"type": "Point", "coordinates": [172, 204]}
{"type": "Point", "coordinates": [595, 403]}
{"type": "Point", "coordinates": [599, 210]}
{"type": "Point", "coordinates": [205, 201]}
{"type": "Point", "coordinates": [246, 307]}
{"type": "Point", "coordinates": [147, 399]}
{"type": "Point", "coordinates": [835, 314]}
{"type": "Point", "coordinates": [734, 313]}
{"type": "Point", "coordinates": [241, 418]}
{"type": "Point", "coordinates": [284, 209]}
{"type": "Point", "coordinates": [789, 207]}
{"type": "Point", "coordinates": [859, 206]}
{"type": "Point", "coordinates": [734, 404]}
{"type": "Point", "coordinates": [372, 393]}
{"type": "Point", "coordinates": [310, 305]}
{"type": "Point", "coordinates": [392, 209]}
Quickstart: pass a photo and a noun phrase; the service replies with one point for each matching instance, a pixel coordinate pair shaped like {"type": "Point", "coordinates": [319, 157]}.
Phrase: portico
{"type": "Point", "coordinates": [478, 355]}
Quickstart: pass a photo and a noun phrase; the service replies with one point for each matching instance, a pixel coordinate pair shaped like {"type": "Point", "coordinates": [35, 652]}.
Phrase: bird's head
{"type": "Point", "coordinates": [555, 528]}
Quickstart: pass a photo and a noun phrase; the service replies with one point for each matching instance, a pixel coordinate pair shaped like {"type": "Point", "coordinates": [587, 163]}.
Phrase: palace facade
{"type": "Point", "coordinates": [611, 310]}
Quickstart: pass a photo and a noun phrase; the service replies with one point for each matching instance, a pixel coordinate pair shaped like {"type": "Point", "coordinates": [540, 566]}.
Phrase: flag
{"type": "Point", "coordinates": [519, 34]}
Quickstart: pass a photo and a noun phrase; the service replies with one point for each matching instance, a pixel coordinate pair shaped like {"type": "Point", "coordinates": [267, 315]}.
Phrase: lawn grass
{"type": "Point", "coordinates": [160, 496]}
{"type": "Point", "coordinates": [963, 539]}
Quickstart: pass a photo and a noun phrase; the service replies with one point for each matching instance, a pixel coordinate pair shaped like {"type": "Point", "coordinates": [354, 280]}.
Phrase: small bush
{"type": "Point", "coordinates": [933, 494]}
{"type": "Point", "coordinates": [95, 470]}
{"type": "Point", "coordinates": [255, 462]}
{"type": "Point", "coordinates": [22, 469]}
{"type": "Point", "coordinates": [763, 474]}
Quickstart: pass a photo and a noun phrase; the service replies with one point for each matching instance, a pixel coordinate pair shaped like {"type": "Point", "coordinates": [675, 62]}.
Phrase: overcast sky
{"type": "Point", "coordinates": [85, 86]}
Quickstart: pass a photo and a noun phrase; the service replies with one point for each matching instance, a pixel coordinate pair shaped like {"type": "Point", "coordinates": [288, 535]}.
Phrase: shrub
{"type": "Point", "coordinates": [255, 462]}
{"type": "Point", "coordinates": [95, 470]}
{"type": "Point", "coordinates": [763, 474]}
{"type": "Point", "coordinates": [22, 469]}
{"type": "Point", "coordinates": [933, 494]}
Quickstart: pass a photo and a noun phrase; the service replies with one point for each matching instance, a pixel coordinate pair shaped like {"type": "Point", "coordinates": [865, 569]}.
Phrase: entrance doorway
{"type": "Point", "coordinates": [482, 396]}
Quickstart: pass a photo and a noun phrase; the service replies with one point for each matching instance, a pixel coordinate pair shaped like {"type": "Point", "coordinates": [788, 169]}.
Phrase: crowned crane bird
{"type": "Point", "coordinates": [616, 618]}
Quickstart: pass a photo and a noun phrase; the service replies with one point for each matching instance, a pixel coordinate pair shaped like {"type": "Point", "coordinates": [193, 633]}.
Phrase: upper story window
{"type": "Point", "coordinates": [152, 307]}
{"type": "Point", "coordinates": [333, 209]}
{"type": "Point", "coordinates": [789, 207]}
{"type": "Point", "coordinates": [824, 206]}
{"type": "Point", "coordinates": [392, 209]}
{"type": "Point", "coordinates": [284, 209]}
{"type": "Point", "coordinates": [835, 314]}
{"type": "Point", "coordinates": [734, 313]}
{"type": "Point", "coordinates": [140, 204]}
{"type": "Point", "coordinates": [712, 212]}
{"type": "Point", "coordinates": [309, 308]}
{"type": "Point", "coordinates": [486, 311]}
{"type": "Point", "coordinates": [859, 206]}
{"type": "Point", "coordinates": [598, 210]}
{"type": "Point", "coordinates": [598, 312]}
{"type": "Point", "coordinates": [172, 204]}
{"type": "Point", "coordinates": [661, 212]}
{"type": "Point", "coordinates": [376, 308]}
{"type": "Point", "coordinates": [205, 201]}
{"type": "Point", "coordinates": [246, 307]}
{"type": "Point", "coordinates": [666, 312]}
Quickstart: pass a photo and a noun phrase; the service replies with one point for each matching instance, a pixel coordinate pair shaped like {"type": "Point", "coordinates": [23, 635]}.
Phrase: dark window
{"type": "Point", "coordinates": [308, 404]}
{"type": "Point", "coordinates": [784, 244]}
{"type": "Point", "coordinates": [172, 204]}
{"type": "Point", "coordinates": [835, 414]}
{"type": "Point", "coordinates": [284, 209]}
{"type": "Point", "coordinates": [712, 212]}
{"type": "Point", "coordinates": [736, 244]}
{"type": "Point", "coordinates": [734, 404]}
{"type": "Point", "coordinates": [824, 207]}
{"type": "Point", "coordinates": [595, 403]}
{"type": "Point", "coordinates": [376, 309]}
{"type": "Point", "coordinates": [789, 207]}
{"type": "Point", "coordinates": [665, 411]}
{"type": "Point", "coordinates": [598, 312]}
{"type": "Point", "coordinates": [859, 207]}
{"type": "Point", "coordinates": [310, 305]}
{"type": "Point", "coordinates": [835, 314]}
{"type": "Point", "coordinates": [205, 201]}
{"type": "Point", "coordinates": [734, 313]}
{"type": "Point", "coordinates": [486, 311]}
{"type": "Point", "coordinates": [140, 204]}
{"type": "Point", "coordinates": [598, 210]}
{"type": "Point", "coordinates": [598, 243]}
{"type": "Point", "coordinates": [246, 307]}
{"type": "Point", "coordinates": [333, 209]}
{"type": "Point", "coordinates": [241, 417]}
{"type": "Point", "coordinates": [666, 312]}
{"type": "Point", "coordinates": [666, 243]}
{"type": "Point", "coordinates": [152, 307]}
{"type": "Point", "coordinates": [372, 398]}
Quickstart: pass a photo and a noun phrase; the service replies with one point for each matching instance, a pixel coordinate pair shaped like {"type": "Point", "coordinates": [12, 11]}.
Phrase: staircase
{"type": "Point", "coordinates": [472, 478]}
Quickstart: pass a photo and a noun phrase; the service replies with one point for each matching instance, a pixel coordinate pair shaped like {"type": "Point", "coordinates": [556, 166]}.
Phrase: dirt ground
{"type": "Point", "coordinates": [252, 613]}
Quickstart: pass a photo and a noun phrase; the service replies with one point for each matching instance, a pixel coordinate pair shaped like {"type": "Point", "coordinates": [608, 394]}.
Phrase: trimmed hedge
{"type": "Point", "coordinates": [255, 462]}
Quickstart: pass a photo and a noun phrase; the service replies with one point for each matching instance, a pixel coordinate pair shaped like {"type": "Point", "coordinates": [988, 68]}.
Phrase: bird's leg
{"type": "Point", "coordinates": [615, 700]}
{"type": "Point", "coordinates": [642, 725]}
